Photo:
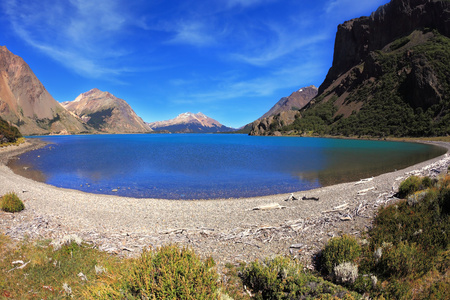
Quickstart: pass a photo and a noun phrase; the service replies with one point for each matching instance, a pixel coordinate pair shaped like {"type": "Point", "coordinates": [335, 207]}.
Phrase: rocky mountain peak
{"type": "Point", "coordinates": [105, 112]}
{"type": "Point", "coordinates": [25, 102]}
{"type": "Point", "coordinates": [189, 122]}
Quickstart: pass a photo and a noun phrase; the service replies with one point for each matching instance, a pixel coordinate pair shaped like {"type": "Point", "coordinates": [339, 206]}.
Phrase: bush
{"type": "Point", "coordinates": [11, 203]}
{"type": "Point", "coordinates": [346, 272]}
{"type": "Point", "coordinates": [409, 186]}
{"type": "Point", "coordinates": [339, 250]}
{"type": "Point", "coordinates": [401, 260]}
{"type": "Point", "coordinates": [172, 273]}
{"type": "Point", "coordinates": [282, 278]}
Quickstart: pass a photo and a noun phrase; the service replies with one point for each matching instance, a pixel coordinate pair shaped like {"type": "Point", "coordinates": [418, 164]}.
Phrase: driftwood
{"type": "Point", "coordinates": [269, 206]}
{"type": "Point", "coordinates": [337, 208]}
{"type": "Point", "coordinates": [291, 198]}
{"type": "Point", "coordinates": [364, 180]}
{"type": "Point", "coordinates": [310, 198]}
{"type": "Point", "coordinates": [363, 192]}
{"type": "Point", "coordinates": [19, 267]}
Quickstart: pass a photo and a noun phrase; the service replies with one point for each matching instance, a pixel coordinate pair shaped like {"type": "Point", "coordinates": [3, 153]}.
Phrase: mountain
{"type": "Point", "coordinates": [296, 101]}
{"type": "Point", "coordinates": [25, 103]}
{"type": "Point", "coordinates": [106, 113]}
{"type": "Point", "coordinates": [283, 112]}
{"type": "Point", "coordinates": [190, 123]}
{"type": "Point", "coordinates": [390, 76]}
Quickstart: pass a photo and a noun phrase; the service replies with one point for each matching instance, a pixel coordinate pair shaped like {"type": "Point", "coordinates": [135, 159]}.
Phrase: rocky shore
{"type": "Point", "coordinates": [229, 230]}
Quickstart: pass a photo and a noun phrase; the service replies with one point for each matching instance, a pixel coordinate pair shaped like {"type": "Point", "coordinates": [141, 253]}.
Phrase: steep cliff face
{"type": "Point", "coordinates": [390, 76]}
{"type": "Point", "coordinates": [26, 103]}
{"type": "Point", "coordinates": [190, 123]}
{"type": "Point", "coordinates": [357, 38]}
{"type": "Point", "coordinates": [284, 111]}
{"type": "Point", "coordinates": [106, 113]}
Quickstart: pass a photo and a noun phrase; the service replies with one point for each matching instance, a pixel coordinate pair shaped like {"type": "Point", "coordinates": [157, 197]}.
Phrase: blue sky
{"type": "Point", "coordinates": [230, 59]}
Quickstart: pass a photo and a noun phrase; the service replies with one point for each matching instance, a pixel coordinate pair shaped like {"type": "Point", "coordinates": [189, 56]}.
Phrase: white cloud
{"type": "Point", "coordinates": [227, 87]}
{"type": "Point", "coordinates": [193, 33]}
{"type": "Point", "coordinates": [78, 34]}
{"type": "Point", "coordinates": [278, 42]}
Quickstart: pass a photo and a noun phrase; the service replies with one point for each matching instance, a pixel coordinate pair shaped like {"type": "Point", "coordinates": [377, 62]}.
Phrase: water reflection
{"type": "Point", "coordinates": [213, 166]}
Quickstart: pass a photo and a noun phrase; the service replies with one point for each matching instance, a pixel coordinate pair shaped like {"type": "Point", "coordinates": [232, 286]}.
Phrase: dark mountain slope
{"type": "Point", "coordinates": [401, 88]}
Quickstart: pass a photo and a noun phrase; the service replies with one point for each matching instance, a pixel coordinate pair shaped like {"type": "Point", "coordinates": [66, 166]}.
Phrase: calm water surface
{"type": "Point", "coordinates": [206, 166]}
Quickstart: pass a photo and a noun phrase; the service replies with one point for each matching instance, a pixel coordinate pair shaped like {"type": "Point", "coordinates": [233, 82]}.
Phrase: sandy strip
{"type": "Point", "coordinates": [227, 229]}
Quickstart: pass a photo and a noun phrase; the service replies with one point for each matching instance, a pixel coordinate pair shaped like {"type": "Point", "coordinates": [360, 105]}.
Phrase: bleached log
{"type": "Point", "coordinates": [364, 191]}
{"type": "Point", "coordinates": [269, 206]}
{"type": "Point", "coordinates": [365, 180]}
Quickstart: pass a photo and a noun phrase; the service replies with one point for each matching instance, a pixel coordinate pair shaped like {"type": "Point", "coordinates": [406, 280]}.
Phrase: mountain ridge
{"type": "Point", "coordinates": [283, 112]}
{"type": "Point", "coordinates": [401, 88]}
{"type": "Point", "coordinates": [190, 123]}
{"type": "Point", "coordinates": [106, 113]}
{"type": "Point", "coordinates": [25, 103]}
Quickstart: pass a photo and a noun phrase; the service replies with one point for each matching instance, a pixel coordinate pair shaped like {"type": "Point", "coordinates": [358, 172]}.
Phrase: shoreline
{"type": "Point", "coordinates": [229, 230]}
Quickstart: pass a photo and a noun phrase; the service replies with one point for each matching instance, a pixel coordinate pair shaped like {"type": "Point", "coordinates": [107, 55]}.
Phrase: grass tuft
{"type": "Point", "coordinates": [11, 203]}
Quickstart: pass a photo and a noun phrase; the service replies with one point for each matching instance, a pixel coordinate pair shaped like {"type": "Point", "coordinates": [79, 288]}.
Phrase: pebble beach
{"type": "Point", "coordinates": [229, 230]}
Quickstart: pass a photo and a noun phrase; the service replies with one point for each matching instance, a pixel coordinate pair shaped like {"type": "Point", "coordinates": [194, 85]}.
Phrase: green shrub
{"type": "Point", "coordinates": [401, 260]}
{"type": "Point", "coordinates": [339, 250]}
{"type": "Point", "coordinates": [409, 186]}
{"type": "Point", "coordinates": [172, 273]}
{"type": "Point", "coordinates": [11, 203]}
{"type": "Point", "coordinates": [282, 278]}
{"type": "Point", "coordinates": [427, 182]}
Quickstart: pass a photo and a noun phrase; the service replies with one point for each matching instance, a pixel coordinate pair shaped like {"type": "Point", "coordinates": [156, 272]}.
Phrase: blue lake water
{"type": "Point", "coordinates": [207, 166]}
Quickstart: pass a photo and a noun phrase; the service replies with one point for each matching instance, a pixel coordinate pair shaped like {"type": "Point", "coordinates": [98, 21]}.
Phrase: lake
{"type": "Point", "coordinates": [208, 166]}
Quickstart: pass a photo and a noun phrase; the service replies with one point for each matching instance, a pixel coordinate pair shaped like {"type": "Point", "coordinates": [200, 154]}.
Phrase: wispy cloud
{"type": "Point", "coordinates": [245, 3]}
{"type": "Point", "coordinates": [77, 33]}
{"type": "Point", "coordinates": [349, 9]}
{"type": "Point", "coordinates": [283, 42]}
{"type": "Point", "coordinates": [224, 88]}
{"type": "Point", "coordinates": [193, 33]}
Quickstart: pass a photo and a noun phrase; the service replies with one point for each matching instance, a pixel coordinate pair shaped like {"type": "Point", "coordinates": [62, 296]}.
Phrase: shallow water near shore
{"type": "Point", "coordinates": [208, 166]}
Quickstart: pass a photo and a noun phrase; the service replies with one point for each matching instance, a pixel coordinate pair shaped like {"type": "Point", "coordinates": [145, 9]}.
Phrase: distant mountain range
{"type": "Point", "coordinates": [25, 104]}
{"type": "Point", "coordinates": [106, 113]}
{"type": "Point", "coordinates": [390, 77]}
{"type": "Point", "coordinates": [190, 123]}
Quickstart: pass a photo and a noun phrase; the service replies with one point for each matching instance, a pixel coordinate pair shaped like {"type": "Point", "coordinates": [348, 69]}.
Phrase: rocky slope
{"type": "Point", "coordinates": [283, 112]}
{"type": "Point", "coordinates": [190, 123]}
{"type": "Point", "coordinates": [390, 76]}
{"type": "Point", "coordinates": [25, 103]}
{"type": "Point", "coordinates": [296, 101]}
{"type": "Point", "coordinates": [106, 113]}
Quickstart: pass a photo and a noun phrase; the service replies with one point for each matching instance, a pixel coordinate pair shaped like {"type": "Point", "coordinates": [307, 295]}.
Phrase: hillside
{"type": "Point", "coordinates": [297, 100]}
{"type": "Point", "coordinates": [106, 113]}
{"type": "Point", "coordinates": [190, 123]}
{"type": "Point", "coordinates": [25, 103]}
{"type": "Point", "coordinates": [8, 133]}
{"type": "Point", "coordinates": [390, 76]}
{"type": "Point", "coordinates": [284, 111]}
